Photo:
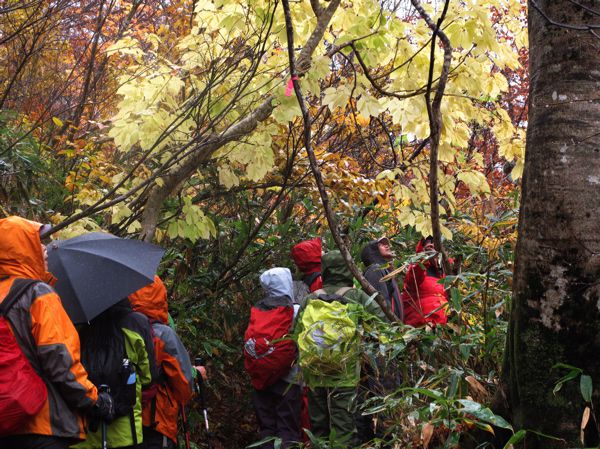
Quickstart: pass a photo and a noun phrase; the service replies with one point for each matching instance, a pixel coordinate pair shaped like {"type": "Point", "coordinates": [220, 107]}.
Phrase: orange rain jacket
{"type": "Point", "coordinates": [172, 360]}
{"type": "Point", "coordinates": [45, 332]}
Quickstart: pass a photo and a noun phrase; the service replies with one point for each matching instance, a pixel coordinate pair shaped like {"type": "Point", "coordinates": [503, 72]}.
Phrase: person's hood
{"type": "Point", "coordinates": [151, 300]}
{"type": "Point", "coordinates": [307, 255]}
{"type": "Point", "coordinates": [21, 249]}
{"type": "Point", "coordinates": [370, 254]}
{"type": "Point", "coordinates": [335, 272]}
{"type": "Point", "coordinates": [277, 282]}
{"type": "Point", "coordinates": [420, 246]}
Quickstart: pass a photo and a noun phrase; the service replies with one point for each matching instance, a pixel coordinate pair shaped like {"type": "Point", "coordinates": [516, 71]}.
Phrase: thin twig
{"type": "Point", "coordinates": [435, 118]}
{"type": "Point", "coordinates": [331, 220]}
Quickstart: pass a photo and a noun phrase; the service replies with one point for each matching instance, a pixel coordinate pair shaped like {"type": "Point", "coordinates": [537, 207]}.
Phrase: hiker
{"type": "Point", "coordinates": [117, 350]}
{"type": "Point", "coordinates": [174, 385]}
{"type": "Point", "coordinates": [329, 348]}
{"type": "Point", "coordinates": [307, 257]}
{"type": "Point", "coordinates": [376, 256]}
{"type": "Point", "coordinates": [44, 365]}
{"type": "Point", "coordinates": [424, 298]}
{"type": "Point", "coordinates": [270, 358]}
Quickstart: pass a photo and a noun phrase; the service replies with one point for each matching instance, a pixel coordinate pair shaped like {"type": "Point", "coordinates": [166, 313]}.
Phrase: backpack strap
{"type": "Point", "coordinates": [18, 287]}
{"type": "Point", "coordinates": [342, 291]}
{"type": "Point", "coordinates": [323, 295]}
{"type": "Point", "coordinates": [310, 278]}
{"type": "Point", "coordinates": [153, 421]}
{"type": "Point", "coordinates": [133, 429]}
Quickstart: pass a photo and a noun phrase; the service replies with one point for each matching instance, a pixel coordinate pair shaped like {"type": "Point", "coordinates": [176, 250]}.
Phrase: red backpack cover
{"type": "Point", "coordinates": [269, 352]}
{"type": "Point", "coordinates": [22, 391]}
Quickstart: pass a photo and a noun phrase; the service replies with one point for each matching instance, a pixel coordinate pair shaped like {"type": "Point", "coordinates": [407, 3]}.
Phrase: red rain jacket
{"type": "Point", "coordinates": [307, 256]}
{"type": "Point", "coordinates": [424, 299]}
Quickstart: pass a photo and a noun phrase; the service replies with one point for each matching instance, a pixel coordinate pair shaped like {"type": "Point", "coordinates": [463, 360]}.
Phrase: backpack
{"type": "Point", "coordinates": [23, 393]}
{"type": "Point", "coordinates": [105, 359]}
{"type": "Point", "coordinates": [328, 342]}
{"type": "Point", "coordinates": [269, 352]}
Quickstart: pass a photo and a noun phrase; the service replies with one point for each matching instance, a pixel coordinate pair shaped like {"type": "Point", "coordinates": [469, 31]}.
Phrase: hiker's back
{"type": "Point", "coordinates": [173, 389]}
{"type": "Point", "coordinates": [269, 357]}
{"type": "Point", "coordinates": [328, 342]}
{"type": "Point", "coordinates": [117, 350]}
{"type": "Point", "coordinates": [46, 338]}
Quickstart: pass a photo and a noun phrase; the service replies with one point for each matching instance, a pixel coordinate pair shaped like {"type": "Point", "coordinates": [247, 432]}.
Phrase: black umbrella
{"type": "Point", "coordinates": [97, 270]}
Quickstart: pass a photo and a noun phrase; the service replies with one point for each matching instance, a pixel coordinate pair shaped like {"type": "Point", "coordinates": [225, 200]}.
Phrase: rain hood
{"type": "Point", "coordinates": [277, 282]}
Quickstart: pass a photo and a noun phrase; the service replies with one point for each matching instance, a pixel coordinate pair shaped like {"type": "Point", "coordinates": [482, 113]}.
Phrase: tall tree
{"type": "Point", "coordinates": [556, 312]}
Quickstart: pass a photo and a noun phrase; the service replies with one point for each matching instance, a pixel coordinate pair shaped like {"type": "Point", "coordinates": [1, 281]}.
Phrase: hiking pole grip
{"type": "Point", "coordinates": [104, 389]}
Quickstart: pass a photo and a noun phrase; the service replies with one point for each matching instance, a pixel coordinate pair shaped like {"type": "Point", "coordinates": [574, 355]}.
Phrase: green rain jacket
{"type": "Point", "coordinates": [139, 350]}
{"type": "Point", "coordinates": [336, 275]}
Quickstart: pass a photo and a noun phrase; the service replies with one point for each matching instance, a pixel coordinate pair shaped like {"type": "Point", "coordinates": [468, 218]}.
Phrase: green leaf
{"type": "Point", "coordinates": [585, 385]}
{"type": "Point", "coordinates": [568, 377]}
{"type": "Point", "coordinates": [566, 366]}
{"type": "Point", "coordinates": [483, 413]}
{"type": "Point", "coordinates": [265, 440]}
{"type": "Point", "coordinates": [288, 108]}
{"type": "Point", "coordinates": [516, 438]}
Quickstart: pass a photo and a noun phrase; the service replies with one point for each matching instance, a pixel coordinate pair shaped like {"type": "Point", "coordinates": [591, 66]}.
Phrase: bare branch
{"type": "Point", "coordinates": [331, 220]}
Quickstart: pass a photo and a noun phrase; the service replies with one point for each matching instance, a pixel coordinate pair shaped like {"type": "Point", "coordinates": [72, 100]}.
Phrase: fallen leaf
{"type": "Point", "coordinates": [426, 434]}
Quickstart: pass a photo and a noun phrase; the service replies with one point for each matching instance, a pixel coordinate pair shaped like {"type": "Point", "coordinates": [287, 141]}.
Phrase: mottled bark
{"type": "Point", "coordinates": [556, 296]}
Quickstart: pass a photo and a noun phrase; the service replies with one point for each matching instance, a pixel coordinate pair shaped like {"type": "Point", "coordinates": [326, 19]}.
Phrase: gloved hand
{"type": "Point", "coordinates": [104, 409]}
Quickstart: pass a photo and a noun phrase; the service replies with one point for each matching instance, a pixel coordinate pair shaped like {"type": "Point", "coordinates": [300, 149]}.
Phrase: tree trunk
{"type": "Point", "coordinates": [556, 294]}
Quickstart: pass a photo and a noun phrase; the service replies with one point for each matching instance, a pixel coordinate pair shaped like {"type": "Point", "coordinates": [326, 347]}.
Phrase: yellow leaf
{"type": "Point", "coordinates": [475, 181]}
{"type": "Point", "coordinates": [227, 177]}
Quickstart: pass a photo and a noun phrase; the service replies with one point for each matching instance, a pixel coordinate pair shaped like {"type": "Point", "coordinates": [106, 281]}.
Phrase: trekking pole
{"type": "Point", "coordinates": [200, 391]}
{"type": "Point", "coordinates": [186, 426]}
{"type": "Point", "coordinates": [104, 389]}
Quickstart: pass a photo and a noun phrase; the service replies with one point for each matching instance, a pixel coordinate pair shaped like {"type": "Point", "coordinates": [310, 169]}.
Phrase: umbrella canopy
{"type": "Point", "coordinates": [97, 270]}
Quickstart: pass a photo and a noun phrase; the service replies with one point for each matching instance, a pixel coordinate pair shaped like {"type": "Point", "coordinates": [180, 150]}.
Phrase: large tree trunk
{"type": "Point", "coordinates": [556, 297]}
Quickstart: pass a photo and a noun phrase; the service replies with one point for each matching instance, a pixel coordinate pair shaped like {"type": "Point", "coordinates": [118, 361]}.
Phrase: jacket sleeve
{"type": "Point", "coordinates": [58, 350]}
{"type": "Point", "coordinates": [414, 278]}
{"type": "Point", "coordinates": [175, 364]}
{"type": "Point", "coordinates": [369, 304]}
{"type": "Point", "coordinates": [373, 275]}
{"type": "Point", "coordinates": [138, 353]}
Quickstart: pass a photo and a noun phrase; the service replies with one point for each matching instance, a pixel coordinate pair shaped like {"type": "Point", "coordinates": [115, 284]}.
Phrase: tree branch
{"type": "Point", "coordinates": [435, 118]}
{"type": "Point", "coordinates": [331, 220]}
{"type": "Point", "coordinates": [203, 152]}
